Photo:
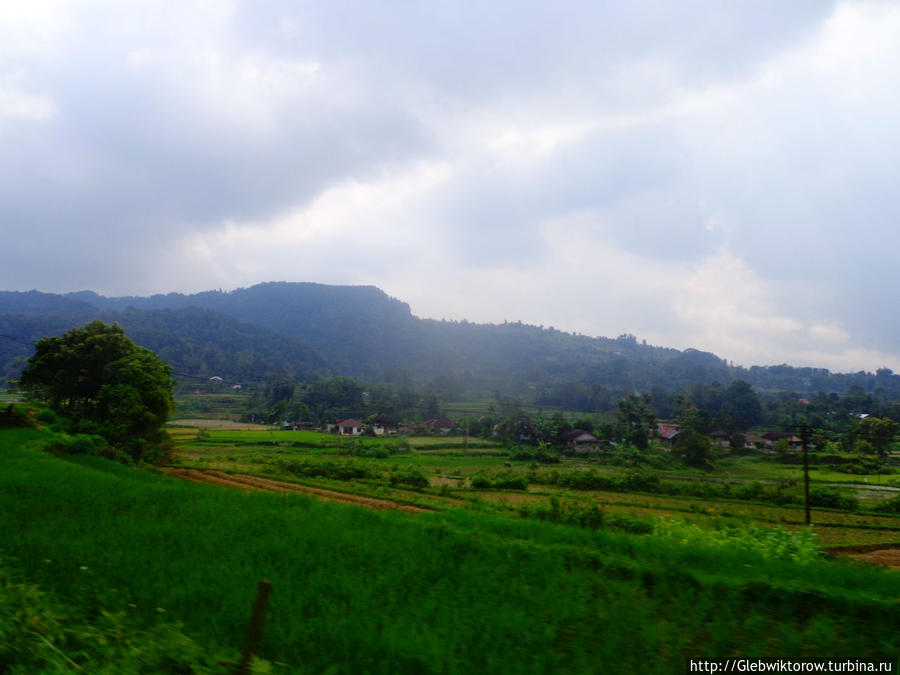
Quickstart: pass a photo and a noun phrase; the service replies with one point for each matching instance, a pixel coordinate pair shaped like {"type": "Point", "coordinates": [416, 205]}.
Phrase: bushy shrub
{"type": "Point", "coordinates": [862, 466]}
{"type": "Point", "coordinates": [587, 480]}
{"type": "Point", "coordinates": [641, 482]}
{"type": "Point", "coordinates": [629, 524]}
{"type": "Point", "coordinates": [374, 451]}
{"type": "Point", "coordinates": [18, 415]}
{"type": "Point", "coordinates": [629, 456]}
{"type": "Point", "coordinates": [481, 482]}
{"type": "Point", "coordinates": [832, 499]}
{"type": "Point", "coordinates": [396, 446]}
{"type": "Point", "coordinates": [889, 506]}
{"type": "Point", "coordinates": [334, 470]}
{"type": "Point", "coordinates": [525, 454]}
{"type": "Point", "coordinates": [510, 481]}
{"type": "Point", "coordinates": [40, 634]}
{"type": "Point", "coordinates": [569, 513]}
{"type": "Point", "coordinates": [638, 481]}
{"type": "Point", "coordinates": [75, 444]}
{"type": "Point", "coordinates": [768, 542]}
{"type": "Point", "coordinates": [47, 416]}
{"type": "Point", "coordinates": [506, 480]}
{"type": "Point", "coordinates": [409, 476]}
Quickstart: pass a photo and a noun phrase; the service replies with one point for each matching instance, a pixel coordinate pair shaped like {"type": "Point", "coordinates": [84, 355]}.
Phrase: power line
{"type": "Point", "coordinates": [18, 339]}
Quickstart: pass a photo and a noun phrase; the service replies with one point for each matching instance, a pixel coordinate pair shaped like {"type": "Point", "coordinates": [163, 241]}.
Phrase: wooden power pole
{"type": "Point", "coordinates": [804, 439]}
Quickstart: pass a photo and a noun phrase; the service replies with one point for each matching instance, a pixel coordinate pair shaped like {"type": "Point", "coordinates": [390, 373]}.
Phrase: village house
{"type": "Point", "coordinates": [793, 439]}
{"type": "Point", "coordinates": [580, 440]}
{"type": "Point", "coordinates": [383, 425]}
{"type": "Point", "coordinates": [668, 432]}
{"type": "Point", "coordinates": [350, 427]}
{"type": "Point", "coordinates": [757, 442]}
{"type": "Point", "coordinates": [440, 425]}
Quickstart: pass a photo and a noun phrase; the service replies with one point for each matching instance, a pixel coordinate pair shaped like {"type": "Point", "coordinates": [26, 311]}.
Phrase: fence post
{"type": "Point", "coordinates": [254, 631]}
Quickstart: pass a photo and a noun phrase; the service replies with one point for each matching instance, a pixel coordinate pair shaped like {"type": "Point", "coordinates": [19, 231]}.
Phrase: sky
{"type": "Point", "coordinates": [715, 175]}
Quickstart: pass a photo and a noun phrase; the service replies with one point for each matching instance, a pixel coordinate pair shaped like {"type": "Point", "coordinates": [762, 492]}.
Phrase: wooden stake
{"type": "Point", "coordinates": [254, 631]}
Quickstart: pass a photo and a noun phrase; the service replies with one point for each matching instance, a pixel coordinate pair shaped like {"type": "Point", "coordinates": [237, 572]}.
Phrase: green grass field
{"type": "Point", "coordinates": [227, 406]}
{"type": "Point", "coordinates": [454, 591]}
{"type": "Point", "coordinates": [450, 469]}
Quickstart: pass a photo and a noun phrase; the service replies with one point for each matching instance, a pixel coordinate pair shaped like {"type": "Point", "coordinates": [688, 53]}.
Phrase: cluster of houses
{"type": "Point", "coordinates": [577, 440]}
{"type": "Point", "coordinates": [580, 440]}
{"type": "Point", "coordinates": [668, 434]}
{"type": "Point", "coordinates": [382, 425]}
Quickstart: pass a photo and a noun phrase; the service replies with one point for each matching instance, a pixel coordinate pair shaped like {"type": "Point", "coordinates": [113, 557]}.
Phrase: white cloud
{"type": "Point", "coordinates": [18, 103]}
{"type": "Point", "coordinates": [715, 176]}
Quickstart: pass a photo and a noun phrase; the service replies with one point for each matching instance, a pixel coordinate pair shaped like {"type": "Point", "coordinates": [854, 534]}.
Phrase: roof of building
{"type": "Point", "coordinates": [438, 422]}
{"type": "Point", "coordinates": [578, 436]}
{"type": "Point", "coordinates": [667, 430]}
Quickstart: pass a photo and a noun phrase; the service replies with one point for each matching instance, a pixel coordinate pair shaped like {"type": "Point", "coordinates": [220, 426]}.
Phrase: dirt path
{"type": "Point", "coordinates": [218, 424]}
{"type": "Point", "coordinates": [882, 554]}
{"type": "Point", "coordinates": [245, 482]}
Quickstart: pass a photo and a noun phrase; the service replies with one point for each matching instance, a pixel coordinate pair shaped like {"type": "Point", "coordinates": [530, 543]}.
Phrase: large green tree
{"type": "Point", "coordinates": [741, 408]}
{"type": "Point", "coordinates": [104, 383]}
{"type": "Point", "coordinates": [877, 432]}
{"type": "Point", "coordinates": [692, 443]}
{"type": "Point", "coordinates": [634, 419]}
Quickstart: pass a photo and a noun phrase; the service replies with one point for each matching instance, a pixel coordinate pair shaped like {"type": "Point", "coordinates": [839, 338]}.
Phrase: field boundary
{"type": "Point", "coordinates": [247, 482]}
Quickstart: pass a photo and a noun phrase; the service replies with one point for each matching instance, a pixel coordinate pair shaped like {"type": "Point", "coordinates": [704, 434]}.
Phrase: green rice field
{"type": "Point", "coordinates": [475, 588]}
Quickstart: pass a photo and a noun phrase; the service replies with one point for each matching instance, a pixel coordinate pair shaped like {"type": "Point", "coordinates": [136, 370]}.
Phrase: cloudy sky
{"type": "Point", "coordinates": [718, 175]}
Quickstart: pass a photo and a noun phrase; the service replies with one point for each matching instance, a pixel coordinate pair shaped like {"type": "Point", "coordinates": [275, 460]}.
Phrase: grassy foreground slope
{"type": "Point", "coordinates": [456, 592]}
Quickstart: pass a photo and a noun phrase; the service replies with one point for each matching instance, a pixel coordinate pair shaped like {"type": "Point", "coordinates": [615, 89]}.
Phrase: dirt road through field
{"type": "Point", "coordinates": [887, 555]}
{"type": "Point", "coordinates": [245, 482]}
{"type": "Point", "coordinates": [884, 556]}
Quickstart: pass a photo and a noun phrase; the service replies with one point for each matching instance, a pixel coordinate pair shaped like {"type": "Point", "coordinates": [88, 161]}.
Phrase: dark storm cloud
{"type": "Point", "coordinates": [138, 153]}
{"type": "Point", "coordinates": [139, 146]}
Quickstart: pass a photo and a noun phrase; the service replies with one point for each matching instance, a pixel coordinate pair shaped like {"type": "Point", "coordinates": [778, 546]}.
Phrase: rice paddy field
{"type": "Point", "coordinates": [471, 581]}
{"type": "Point", "coordinates": [449, 468]}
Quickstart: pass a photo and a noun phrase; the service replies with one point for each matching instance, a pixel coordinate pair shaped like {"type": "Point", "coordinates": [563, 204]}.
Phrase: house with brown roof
{"type": "Point", "coordinates": [350, 427]}
{"type": "Point", "coordinates": [440, 425]}
{"type": "Point", "coordinates": [668, 432]}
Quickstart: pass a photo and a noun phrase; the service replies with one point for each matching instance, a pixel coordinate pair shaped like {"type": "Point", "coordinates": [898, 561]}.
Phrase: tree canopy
{"type": "Point", "coordinates": [104, 383]}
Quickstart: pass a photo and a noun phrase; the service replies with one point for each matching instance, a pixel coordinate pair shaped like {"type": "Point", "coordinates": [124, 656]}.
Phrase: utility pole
{"type": "Point", "coordinates": [804, 438]}
{"type": "Point", "coordinates": [466, 417]}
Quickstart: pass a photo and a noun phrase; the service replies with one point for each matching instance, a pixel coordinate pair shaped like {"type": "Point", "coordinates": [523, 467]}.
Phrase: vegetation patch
{"type": "Point", "coordinates": [454, 592]}
{"type": "Point", "coordinates": [39, 633]}
{"type": "Point", "coordinates": [343, 471]}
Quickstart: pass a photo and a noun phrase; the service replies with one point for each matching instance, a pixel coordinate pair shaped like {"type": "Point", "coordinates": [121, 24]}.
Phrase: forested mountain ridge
{"type": "Point", "coordinates": [359, 330]}
{"type": "Point", "coordinates": [304, 330]}
{"type": "Point", "coordinates": [198, 343]}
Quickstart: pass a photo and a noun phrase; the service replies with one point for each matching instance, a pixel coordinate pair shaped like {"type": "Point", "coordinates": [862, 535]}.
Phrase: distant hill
{"type": "Point", "coordinates": [35, 303]}
{"type": "Point", "coordinates": [359, 330]}
{"type": "Point", "coordinates": [198, 343]}
{"type": "Point", "coordinates": [306, 329]}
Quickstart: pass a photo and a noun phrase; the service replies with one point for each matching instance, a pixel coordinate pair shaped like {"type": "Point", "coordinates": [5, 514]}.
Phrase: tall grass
{"type": "Point", "coordinates": [456, 592]}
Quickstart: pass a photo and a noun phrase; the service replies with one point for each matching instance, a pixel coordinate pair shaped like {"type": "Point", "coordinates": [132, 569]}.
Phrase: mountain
{"type": "Point", "coordinates": [359, 330]}
{"type": "Point", "coordinates": [35, 303]}
{"type": "Point", "coordinates": [306, 329]}
{"type": "Point", "coordinates": [362, 332]}
{"type": "Point", "coordinates": [198, 343]}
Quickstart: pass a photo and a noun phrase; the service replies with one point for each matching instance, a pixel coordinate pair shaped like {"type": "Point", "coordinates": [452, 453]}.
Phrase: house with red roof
{"type": "Point", "coordinates": [350, 427]}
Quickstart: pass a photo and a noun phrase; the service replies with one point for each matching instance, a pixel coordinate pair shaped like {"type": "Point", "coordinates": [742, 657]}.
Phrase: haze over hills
{"type": "Point", "coordinates": [306, 330]}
